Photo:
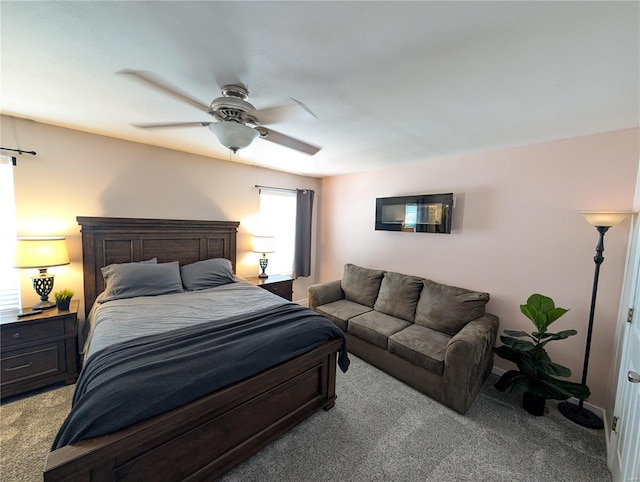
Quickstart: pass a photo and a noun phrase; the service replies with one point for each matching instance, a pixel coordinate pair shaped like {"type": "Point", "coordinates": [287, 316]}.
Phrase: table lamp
{"type": "Point", "coordinates": [41, 253]}
{"type": "Point", "coordinates": [264, 245]}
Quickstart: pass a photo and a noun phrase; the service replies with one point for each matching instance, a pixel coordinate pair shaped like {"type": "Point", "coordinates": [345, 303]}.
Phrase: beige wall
{"type": "Point", "coordinates": [515, 232]}
{"type": "Point", "coordinates": [515, 228]}
{"type": "Point", "coordinates": [80, 174]}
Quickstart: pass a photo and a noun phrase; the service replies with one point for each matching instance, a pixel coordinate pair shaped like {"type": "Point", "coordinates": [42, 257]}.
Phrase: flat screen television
{"type": "Point", "coordinates": [424, 213]}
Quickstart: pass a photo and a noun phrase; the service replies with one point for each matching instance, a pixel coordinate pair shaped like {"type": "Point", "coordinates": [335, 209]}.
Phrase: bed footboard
{"type": "Point", "coordinates": [208, 437]}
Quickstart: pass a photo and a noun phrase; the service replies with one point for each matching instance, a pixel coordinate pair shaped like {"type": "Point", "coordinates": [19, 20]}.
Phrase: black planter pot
{"type": "Point", "coordinates": [532, 403]}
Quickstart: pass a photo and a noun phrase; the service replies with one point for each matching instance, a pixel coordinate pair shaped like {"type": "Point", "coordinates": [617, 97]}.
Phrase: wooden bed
{"type": "Point", "coordinates": [206, 438]}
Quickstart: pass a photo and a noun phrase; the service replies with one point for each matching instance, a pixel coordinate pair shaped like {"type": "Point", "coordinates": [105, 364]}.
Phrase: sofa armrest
{"type": "Point", "coordinates": [468, 361]}
{"type": "Point", "coordinates": [323, 293]}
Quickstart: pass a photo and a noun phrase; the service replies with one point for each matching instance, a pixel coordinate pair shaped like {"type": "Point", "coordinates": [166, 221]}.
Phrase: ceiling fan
{"type": "Point", "coordinates": [237, 123]}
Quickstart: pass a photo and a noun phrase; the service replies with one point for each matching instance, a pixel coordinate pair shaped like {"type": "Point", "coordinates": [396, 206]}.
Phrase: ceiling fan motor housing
{"type": "Point", "coordinates": [235, 90]}
{"type": "Point", "coordinates": [234, 106]}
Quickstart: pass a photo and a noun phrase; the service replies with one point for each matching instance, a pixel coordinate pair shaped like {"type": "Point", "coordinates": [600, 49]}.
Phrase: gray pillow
{"type": "Point", "coordinates": [148, 261]}
{"type": "Point", "coordinates": [140, 279]}
{"type": "Point", "coordinates": [361, 285]}
{"type": "Point", "coordinates": [448, 309]}
{"type": "Point", "coordinates": [107, 270]}
{"type": "Point", "coordinates": [207, 274]}
{"type": "Point", "coordinates": [399, 294]}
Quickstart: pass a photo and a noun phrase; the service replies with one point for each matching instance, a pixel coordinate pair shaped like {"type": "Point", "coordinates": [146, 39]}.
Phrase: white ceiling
{"type": "Point", "coordinates": [390, 82]}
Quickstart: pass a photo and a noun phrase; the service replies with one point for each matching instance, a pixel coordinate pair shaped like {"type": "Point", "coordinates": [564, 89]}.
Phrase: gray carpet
{"type": "Point", "coordinates": [28, 425]}
{"type": "Point", "coordinates": [379, 430]}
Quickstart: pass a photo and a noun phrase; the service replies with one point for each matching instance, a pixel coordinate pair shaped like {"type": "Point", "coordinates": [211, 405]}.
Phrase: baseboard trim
{"type": "Point", "coordinates": [595, 409]}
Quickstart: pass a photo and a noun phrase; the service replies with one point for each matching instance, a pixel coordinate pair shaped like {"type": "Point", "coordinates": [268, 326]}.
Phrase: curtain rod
{"type": "Point", "coordinates": [275, 188]}
{"type": "Point", "coordinates": [13, 159]}
{"type": "Point", "coordinates": [19, 151]}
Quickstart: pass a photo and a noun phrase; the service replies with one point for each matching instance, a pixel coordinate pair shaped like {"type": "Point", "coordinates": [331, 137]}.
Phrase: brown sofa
{"type": "Point", "coordinates": [434, 337]}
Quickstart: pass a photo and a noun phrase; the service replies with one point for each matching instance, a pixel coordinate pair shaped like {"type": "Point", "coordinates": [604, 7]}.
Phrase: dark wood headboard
{"type": "Point", "coordinates": [124, 240]}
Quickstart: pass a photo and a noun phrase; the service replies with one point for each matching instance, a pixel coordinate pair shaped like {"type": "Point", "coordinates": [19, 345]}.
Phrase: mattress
{"type": "Point", "coordinates": [151, 354]}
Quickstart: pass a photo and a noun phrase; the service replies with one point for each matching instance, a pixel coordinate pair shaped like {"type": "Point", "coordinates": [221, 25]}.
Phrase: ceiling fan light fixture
{"type": "Point", "coordinates": [233, 135]}
{"type": "Point", "coordinates": [237, 122]}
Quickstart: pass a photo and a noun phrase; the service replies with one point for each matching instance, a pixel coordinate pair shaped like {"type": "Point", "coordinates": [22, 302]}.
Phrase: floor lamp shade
{"type": "Point", "coordinates": [605, 218]}
{"type": "Point", "coordinates": [602, 220]}
{"type": "Point", "coordinates": [41, 253]}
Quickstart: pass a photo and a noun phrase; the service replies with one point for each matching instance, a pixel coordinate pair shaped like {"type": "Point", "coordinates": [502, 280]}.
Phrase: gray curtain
{"type": "Point", "coordinates": [304, 212]}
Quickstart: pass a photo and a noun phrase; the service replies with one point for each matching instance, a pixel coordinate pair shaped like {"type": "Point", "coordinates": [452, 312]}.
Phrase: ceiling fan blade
{"type": "Point", "coordinates": [305, 107]}
{"type": "Point", "coordinates": [273, 115]}
{"type": "Point", "coordinates": [170, 124]}
{"type": "Point", "coordinates": [166, 87]}
{"type": "Point", "coordinates": [290, 142]}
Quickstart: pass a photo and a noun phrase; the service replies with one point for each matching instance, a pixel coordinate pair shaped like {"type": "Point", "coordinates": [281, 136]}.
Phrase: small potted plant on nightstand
{"type": "Point", "coordinates": [63, 298]}
{"type": "Point", "coordinates": [536, 377]}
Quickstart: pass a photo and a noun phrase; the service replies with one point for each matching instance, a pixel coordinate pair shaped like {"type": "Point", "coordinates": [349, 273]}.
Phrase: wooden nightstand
{"type": "Point", "coordinates": [277, 284]}
{"type": "Point", "coordinates": [38, 350]}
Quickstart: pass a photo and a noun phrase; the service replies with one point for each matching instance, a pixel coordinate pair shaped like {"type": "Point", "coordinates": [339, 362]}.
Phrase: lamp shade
{"type": "Point", "coordinates": [233, 135]}
{"type": "Point", "coordinates": [41, 252]}
{"type": "Point", "coordinates": [605, 218]}
{"type": "Point", "coordinates": [263, 244]}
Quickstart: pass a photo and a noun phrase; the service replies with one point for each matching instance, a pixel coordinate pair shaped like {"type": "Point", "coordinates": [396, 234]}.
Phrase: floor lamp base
{"type": "Point", "coordinates": [580, 415]}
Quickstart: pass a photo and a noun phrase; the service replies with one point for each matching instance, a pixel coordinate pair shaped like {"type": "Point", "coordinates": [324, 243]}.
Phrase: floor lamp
{"type": "Point", "coordinates": [602, 222]}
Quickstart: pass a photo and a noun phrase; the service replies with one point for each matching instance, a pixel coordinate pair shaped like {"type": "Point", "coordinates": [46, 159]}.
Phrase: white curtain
{"type": "Point", "coordinates": [278, 219]}
{"type": "Point", "coordinates": [9, 276]}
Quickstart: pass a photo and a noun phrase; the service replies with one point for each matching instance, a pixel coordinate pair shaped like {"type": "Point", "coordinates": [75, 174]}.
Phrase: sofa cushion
{"type": "Point", "coordinates": [398, 296]}
{"type": "Point", "coordinates": [376, 327]}
{"type": "Point", "coordinates": [341, 311]}
{"type": "Point", "coordinates": [361, 285]}
{"type": "Point", "coordinates": [448, 308]}
{"type": "Point", "coordinates": [421, 346]}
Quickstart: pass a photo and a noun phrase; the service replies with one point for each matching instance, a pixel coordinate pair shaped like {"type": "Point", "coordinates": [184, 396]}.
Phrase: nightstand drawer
{"type": "Point", "coordinates": [284, 289]}
{"type": "Point", "coordinates": [38, 350]}
{"type": "Point", "coordinates": [278, 284]}
{"type": "Point", "coordinates": [21, 333]}
{"type": "Point", "coordinates": [42, 360]}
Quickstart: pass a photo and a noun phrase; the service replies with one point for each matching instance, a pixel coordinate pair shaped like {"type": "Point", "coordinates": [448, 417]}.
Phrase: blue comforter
{"type": "Point", "coordinates": [134, 380]}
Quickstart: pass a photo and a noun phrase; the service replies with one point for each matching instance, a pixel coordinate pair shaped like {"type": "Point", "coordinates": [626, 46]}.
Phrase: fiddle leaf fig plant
{"type": "Point", "coordinates": [536, 372]}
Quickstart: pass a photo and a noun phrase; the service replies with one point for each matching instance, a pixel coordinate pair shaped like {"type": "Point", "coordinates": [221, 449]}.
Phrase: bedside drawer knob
{"type": "Point", "coordinates": [16, 335]}
{"type": "Point", "coordinates": [18, 367]}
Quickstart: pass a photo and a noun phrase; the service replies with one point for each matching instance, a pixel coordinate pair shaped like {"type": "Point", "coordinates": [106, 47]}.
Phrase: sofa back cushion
{"type": "Point", "coordinates": [361, 285]}
{"type": "Point", "coordinates": [398, 296]}
{"type": "Point", "coordinates": [447, 308]}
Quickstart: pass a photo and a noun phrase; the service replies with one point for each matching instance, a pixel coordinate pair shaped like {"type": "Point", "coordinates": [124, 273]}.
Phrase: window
{"type": "Point", "coordinates": [278, 219]}
{"type": "Point", "coordinates": [9, 280]}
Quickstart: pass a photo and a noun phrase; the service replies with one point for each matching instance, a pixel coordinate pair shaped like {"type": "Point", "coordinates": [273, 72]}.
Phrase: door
{"type": "Point", "coordinates": [625, 440]}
